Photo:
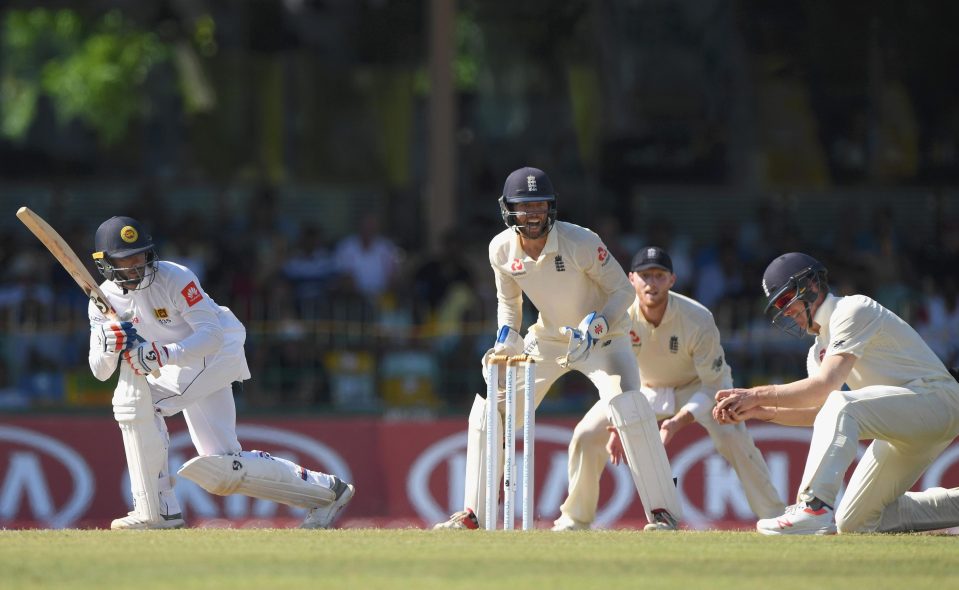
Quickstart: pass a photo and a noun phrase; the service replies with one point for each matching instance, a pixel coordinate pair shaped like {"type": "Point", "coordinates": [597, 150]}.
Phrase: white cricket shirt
{"type": "Point", "coordinates": [574, 275]}
{"type": "Point", "coordinates": [888, 350]}
{"type": "Point", "coordinates": [174, 311]}
{"type": "Point", "coordinates": [683, 350]}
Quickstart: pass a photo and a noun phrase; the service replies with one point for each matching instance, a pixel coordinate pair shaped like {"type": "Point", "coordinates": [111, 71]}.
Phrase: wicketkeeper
{"type": "Point", "coordinates": [582, 295]}
{"type": "Point", "coordinates": [178, 351]}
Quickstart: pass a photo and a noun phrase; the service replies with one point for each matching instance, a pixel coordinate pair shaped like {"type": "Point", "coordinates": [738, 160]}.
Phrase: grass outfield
{"type": "Point", "coordinates": [357, 559]}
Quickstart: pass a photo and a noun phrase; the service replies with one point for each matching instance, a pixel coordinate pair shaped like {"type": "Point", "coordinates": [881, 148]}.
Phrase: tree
{"type": "Point", "coordinates": [92, 72]}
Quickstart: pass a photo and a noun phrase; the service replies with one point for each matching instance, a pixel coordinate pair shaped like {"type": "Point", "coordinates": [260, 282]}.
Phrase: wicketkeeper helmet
{"type": "Point", "coordinates": [527, 185]}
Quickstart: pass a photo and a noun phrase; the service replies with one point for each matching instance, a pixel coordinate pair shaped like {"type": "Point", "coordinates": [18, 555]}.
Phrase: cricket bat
{"type": "Point", "coordinates": [67, 258]}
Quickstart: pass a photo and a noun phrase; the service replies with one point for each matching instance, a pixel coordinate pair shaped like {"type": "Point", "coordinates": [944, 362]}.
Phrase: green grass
{"type": "Point", "coordinates": [542, 560]}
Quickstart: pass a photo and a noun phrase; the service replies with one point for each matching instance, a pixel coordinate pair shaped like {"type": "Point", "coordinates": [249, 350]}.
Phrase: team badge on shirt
{"type": "Point", "coordinates": [717, 365]}
{"type": "Point", "coordinates": [192, 294]}
{"type": "Point", "coordinates": [162, 315]}
{"type": "Point", "coordinates": [674, 344]}
{"type": "Point", "coordinates": [560, 265]}
{"type": "Point", "coordinates": [602, 254]}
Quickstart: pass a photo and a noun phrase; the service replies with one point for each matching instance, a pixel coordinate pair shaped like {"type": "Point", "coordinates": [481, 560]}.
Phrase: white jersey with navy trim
{"type": "Point", "coordinates": [175, 311]}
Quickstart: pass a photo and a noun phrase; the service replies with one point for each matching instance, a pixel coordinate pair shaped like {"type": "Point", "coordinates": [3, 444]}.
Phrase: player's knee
{"type": "Point", "coordinates": [852, 521]}
{"type": "Point", "coordinates": [835, 404]}
{"type": "Point", "coordinates": [844, 524]}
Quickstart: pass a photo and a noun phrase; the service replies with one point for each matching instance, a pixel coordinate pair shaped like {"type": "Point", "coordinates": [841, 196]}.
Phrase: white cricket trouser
{"type": "Point", "coordinates": [732, 441]}
{"type": "Point", "coordinates": [736, 445]}
{"type": "Point", "coordinates": [205, 397]}
{"type": "Point", "coordinates": [611, 368]}
{"type": "Point", "coordinates": [910, 427]}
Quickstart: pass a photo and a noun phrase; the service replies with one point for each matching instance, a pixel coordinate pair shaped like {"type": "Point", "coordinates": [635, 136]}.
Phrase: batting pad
{"type": "Point", "coordinates": [257, 477]}
{"type": "Point", "coordinates": [474, 492]}
{"type": "Point", "coordinates": [144, 445]}
{"type": "Point", "coordinates": [635, 422]}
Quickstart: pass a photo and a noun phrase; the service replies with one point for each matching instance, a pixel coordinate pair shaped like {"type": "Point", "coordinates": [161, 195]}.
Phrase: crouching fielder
{"type": "Point", "coordinates": [899, 395]}
{"type": "Point", "coordinates": [572, 279]}
{"type": "Point", "coordinates": [178, 351]}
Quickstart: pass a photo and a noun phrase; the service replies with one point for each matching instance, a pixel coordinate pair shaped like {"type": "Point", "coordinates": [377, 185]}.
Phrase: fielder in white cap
{"type": "Point", "coordinates": [898, 394]}
{"type": "Point", "coordinates": [681, 366]}
{"type": "Point", "coordinates": [569, 275]}
{"type": "Point", "coordinates": [178, 351]}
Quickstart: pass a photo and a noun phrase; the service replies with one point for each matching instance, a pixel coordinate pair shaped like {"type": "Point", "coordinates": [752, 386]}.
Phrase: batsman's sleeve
{"type": "Point", "coordinates": [509, 299]}
{"type": "Point", "coordinates": [102, 364]}
{"type": "Point", "coordinates": [198, 310]}
{"type": "Point", "coordinates": [709, 358]}
{"type": "Point", "coordinates": [206, 339]}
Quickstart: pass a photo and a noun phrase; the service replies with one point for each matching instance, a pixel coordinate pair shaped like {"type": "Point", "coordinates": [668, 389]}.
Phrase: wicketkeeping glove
{"type": "Point", "coordinates": [508, 342]}
{"type": "Point", "coordinates": [147, 358]}
{"type": "Point", "coordinates": [118, 336]}
{"type": "Point", "coordinates": [582, 338]}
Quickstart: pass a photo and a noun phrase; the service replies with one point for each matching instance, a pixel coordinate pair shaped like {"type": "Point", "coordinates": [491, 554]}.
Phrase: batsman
{"type": "Point", "coordinates": [572, 279]}
{"type": "Point", "coordinates": [178, 351]}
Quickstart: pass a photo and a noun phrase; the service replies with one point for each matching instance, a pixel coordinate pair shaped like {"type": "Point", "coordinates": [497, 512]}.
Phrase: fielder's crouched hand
{"type": "Point", "coordinates": [147, 358]}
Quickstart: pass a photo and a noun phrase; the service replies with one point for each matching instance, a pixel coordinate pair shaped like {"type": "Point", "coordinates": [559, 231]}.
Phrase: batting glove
{"type": "Point", "coordinates": [147, 358]}
{"type": "Point", "coordinates": [582, 338]}
{"type": "Point", "coordinates": [116, 337]}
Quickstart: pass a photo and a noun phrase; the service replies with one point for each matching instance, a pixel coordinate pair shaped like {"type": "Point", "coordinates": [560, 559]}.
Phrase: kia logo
{"type": "Point", "coordinates": [30, 485]}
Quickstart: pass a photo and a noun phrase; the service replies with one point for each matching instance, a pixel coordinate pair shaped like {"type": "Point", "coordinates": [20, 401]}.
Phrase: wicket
{"type": "Point", "coordinates": [509, 439]}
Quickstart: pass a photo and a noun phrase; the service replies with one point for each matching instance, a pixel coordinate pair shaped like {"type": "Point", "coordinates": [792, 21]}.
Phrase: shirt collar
{"type": "Point", "coordinates": [825, 310]}
{"type": "Point", "coordinates": [667, 317]}
{"type": "Point", "coordinates": [516, 248]}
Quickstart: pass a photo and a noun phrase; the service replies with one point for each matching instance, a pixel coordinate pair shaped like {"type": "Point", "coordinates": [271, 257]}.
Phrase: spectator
{"type": "Point", "coordinates": [367, 260]}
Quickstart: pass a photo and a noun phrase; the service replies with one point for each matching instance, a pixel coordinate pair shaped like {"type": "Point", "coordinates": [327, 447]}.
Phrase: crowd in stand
{"type": "Point", "coordinates": [363, 323]}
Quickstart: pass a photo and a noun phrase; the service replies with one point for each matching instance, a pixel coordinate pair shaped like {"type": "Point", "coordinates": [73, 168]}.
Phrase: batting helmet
{"type": "Point", "coordinates": [527, 185]}
{"type": "Point", "coordinates": [121, 237]}
{"type": "Point", "coordinates": [788, 279]}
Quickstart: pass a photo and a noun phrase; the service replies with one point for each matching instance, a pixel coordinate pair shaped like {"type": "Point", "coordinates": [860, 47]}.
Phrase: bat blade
{"type": "Point", "coordinates": [67, 258]}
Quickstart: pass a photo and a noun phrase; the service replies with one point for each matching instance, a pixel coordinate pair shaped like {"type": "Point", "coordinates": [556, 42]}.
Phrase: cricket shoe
{"type": "Point", "coordinates": [323, 516]}
{"type": "Point", "coordinates": [800, 519]}
{"type": "Point", "coordinates": [464, 519]}
{"type": "Point", "coordinates": [662, 521]}
{"type": "Point", "coordinates": [133, 521]}
{"type": "Point", "coordinates": [565, 523]}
